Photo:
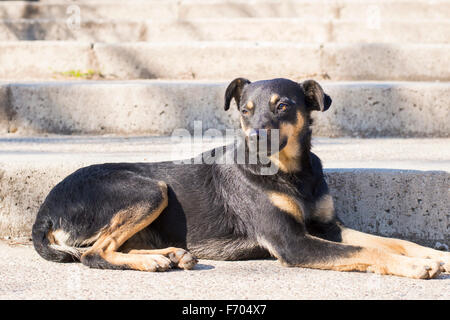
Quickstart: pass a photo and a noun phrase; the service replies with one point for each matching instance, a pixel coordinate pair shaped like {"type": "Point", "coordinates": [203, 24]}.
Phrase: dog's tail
{"type": "Point", "coordinates": [45, 244]}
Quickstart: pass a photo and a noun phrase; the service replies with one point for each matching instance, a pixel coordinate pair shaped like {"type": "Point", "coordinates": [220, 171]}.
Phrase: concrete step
{"type": "Point", "coordinates": [226, 60]}
{"type": "Point", "coordinates": [382, 186]}
{"type": "Point", "coordinates": [175, 9]}
{"type": "Point", "coordinates": [221, 29]}
{"type": "Point", "coordinates": [365, 109]}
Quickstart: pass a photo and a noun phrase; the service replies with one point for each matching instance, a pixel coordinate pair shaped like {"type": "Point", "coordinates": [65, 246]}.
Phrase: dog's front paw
{"type": "Point", "coordinates": [416, 268]}
{"type": "Point", "coordinates": [423, 269]}
{"type": "Point", "coordinates": [444, 259]}
{"type": "Point", "coordinates": [442, 256]}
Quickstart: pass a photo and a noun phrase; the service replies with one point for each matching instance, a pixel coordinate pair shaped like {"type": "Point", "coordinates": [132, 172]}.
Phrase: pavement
{"type": "Point", "coordinates": [25, 275]}
{"type": "Point", "coordinates": [380, 61]}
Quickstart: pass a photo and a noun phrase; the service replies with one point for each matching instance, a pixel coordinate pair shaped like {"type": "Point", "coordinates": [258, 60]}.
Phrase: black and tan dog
{"type": "Point", "coordinates": [154, 216]}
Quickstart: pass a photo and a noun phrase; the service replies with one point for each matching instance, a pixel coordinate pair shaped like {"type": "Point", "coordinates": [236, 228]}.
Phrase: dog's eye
{"type": "Point", "coordinates": [282, 107]}
{"type": "Point", "coordinates": [244, 111]}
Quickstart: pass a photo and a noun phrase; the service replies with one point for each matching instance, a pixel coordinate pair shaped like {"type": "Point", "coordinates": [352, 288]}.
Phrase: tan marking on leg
{"type": "Point", "coordinates": [50, 237]}
{"type": "Point", "coordinates": [122, 227]}
{"type": "Point", "coordinates": [164, 251]}
{"type": "Point", "coordinates": [60, 237]}
{"type": "Point", "coordinates": [58, 241]}
{"type": "Point", "coordinates": [381, 262]}
{"type": "Point", "coordinates": [288, 159]}
{"type": "Point", "coordinates": [180, 257]}
{"type": "Point", "coordinates": [351, 236]}
{"type": "Point", "coordinates": [396, 246]}
{"type": "Point", "coordinates": [287, 204]}
{"type": "Point", "coordinates": [125, 224]}
{"type": "Point", "coordinates": [88, 241]}
{"type": "Point", "coordinates": [138, 262]}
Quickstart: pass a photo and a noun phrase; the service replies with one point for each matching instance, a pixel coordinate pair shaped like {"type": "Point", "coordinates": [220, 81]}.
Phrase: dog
{"type": "Point", "coordinates": [157, 216]}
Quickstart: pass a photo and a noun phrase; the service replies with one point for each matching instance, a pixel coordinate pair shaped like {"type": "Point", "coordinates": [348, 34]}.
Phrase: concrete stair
{"type": "Point", "coordinates": [192, 9]}
{"type": "Point", "coordinates": [359, 109]}
{"type": "Point", "coordinates": [226, 60]}
{"type": "Point", "coordinates": [113, 85]}
{"type": "Point", "coordinates": [381, 186]}
{"type": "Point", "coordinates": [220, 29]}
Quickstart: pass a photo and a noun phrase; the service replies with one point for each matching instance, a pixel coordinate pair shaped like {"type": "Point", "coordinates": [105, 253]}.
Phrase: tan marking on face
{"type": "Point", "coordinates": [288, 158]}
{"type": "Point", "coordinates": [244, 128]}
{"type": "Point", "coordinates": [287, 204]}
{"type": "Point", "coordinates": [274, 98]}
{"type": "Point", "coordinates": [250, 105]}
{"type": "Point", "coordinates": [324, 210]}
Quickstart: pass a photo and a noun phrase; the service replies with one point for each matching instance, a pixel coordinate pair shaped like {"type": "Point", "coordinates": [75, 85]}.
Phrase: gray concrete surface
{"type": "Point", "coordinates": [25, 275]}
{"type": "Point", "coordinates": [144, 9]}
{"type": "Point", "coordinates": [365, 109]}
{"type": "Point", "coordinates": [219, 60]}
{"type": "Point", "coordinates": [225, 29]}
{"type": "Point", "coordinates": [397, 192]}
{"type": "Point", "coordinates": [392, 187]}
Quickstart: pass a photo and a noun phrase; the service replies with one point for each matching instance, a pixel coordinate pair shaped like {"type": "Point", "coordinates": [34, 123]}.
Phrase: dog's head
{"type": "Point", "coordinates": [278, 104]}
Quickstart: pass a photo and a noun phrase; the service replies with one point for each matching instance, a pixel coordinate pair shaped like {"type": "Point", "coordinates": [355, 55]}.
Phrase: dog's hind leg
{"type": "Point", "coordinates": [123, 225]}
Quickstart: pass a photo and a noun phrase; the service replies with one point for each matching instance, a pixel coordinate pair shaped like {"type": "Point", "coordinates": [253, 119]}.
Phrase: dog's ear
{"type": "Point", "coordinates": [315, 98]}
{"type": "Point", "coordinates": [234, 90]}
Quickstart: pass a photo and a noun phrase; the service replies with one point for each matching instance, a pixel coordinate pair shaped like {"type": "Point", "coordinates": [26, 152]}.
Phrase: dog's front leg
{"type": "Point", "coordinates": [292, 246]}
{"type": "Point", "coordinates": [322, 254]}
{"type": "Point", "coordinates": [396, 246]}
{"type": "Point", "coordinates": [337, 232]}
